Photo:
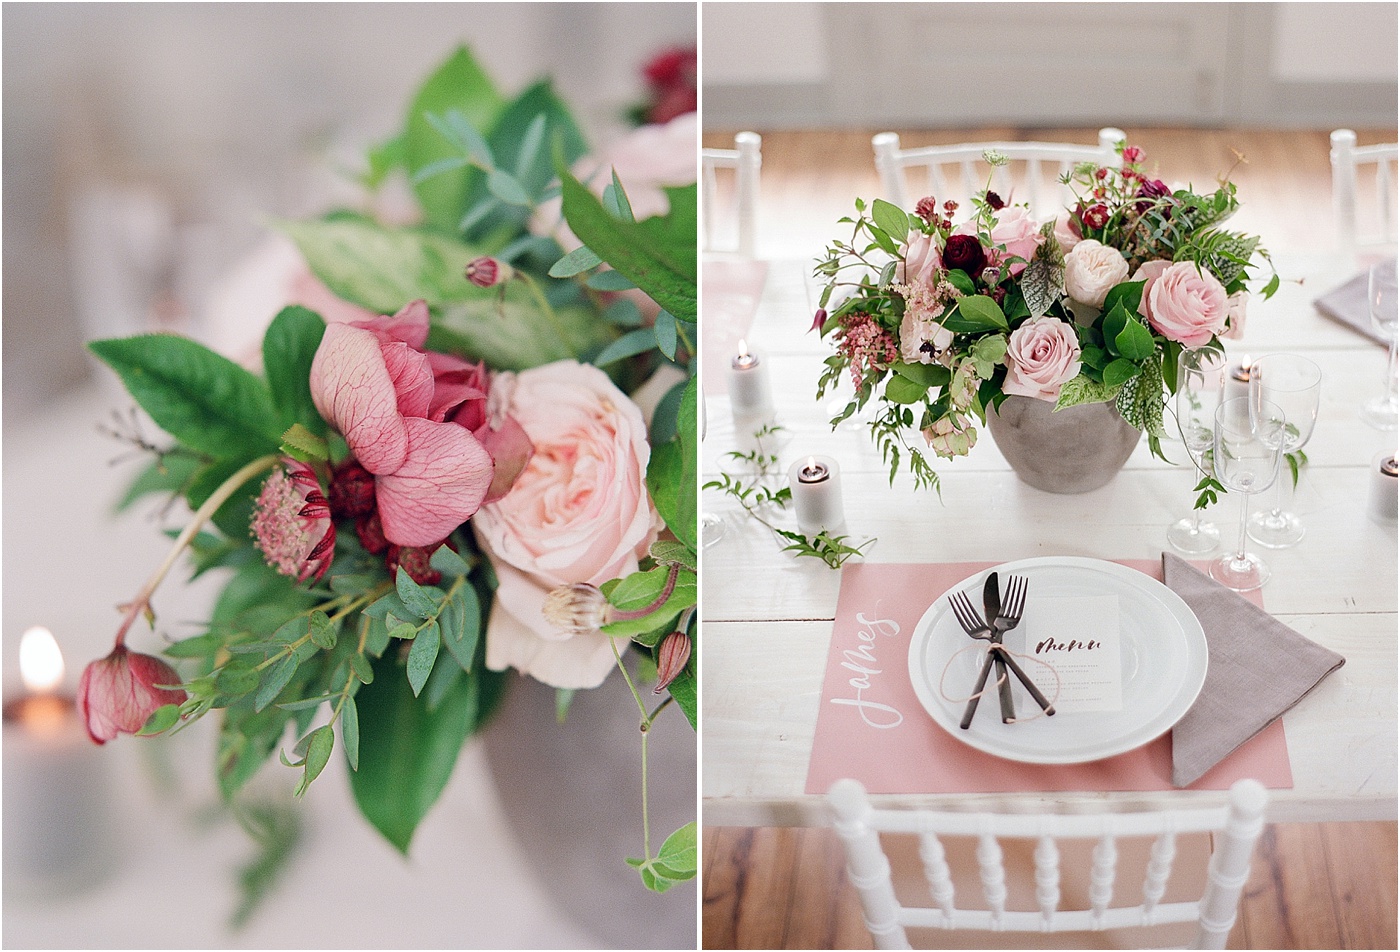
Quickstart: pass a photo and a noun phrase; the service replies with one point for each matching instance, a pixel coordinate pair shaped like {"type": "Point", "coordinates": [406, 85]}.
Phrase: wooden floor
{"type": "Point", "coordinates": [1312, 886]}
{"type": "Point", "coordinates": [1318, 886]}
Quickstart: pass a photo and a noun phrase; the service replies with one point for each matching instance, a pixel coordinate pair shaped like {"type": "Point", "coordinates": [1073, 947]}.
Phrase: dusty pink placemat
{"type": "Point", "coordinates": [872, 727]}
{"type": "Point", "coordinates": [729, 296]}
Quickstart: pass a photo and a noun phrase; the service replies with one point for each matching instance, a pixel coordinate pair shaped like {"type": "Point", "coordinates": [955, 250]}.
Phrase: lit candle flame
{"type": "Point", "coordinates": [40, 661]}
{"type": "Point", "coordinates": [1245, 363]}
{"type": "Point", "coordinates": [743, 348]}
{"type": "Point", "coordinates": [811, 462]}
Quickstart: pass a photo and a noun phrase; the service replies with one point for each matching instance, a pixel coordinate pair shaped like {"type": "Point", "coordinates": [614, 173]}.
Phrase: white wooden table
{"type": "Point", "coordinates": [768, 616]}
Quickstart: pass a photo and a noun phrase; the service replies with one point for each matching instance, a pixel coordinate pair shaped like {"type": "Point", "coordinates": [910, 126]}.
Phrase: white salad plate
{"type": "Point", "coordinates": [1162, 652]}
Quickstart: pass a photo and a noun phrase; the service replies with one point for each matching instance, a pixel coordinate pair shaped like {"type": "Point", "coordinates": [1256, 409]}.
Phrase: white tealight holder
{"type": "Point", "coordinates": [1382, 499]}
{"type": "Point", "coordinates": [815, 482]}
{"type": "Point", "coordinates": [750, 396]}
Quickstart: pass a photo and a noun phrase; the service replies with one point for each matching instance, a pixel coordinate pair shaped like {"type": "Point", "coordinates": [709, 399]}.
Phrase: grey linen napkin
{"type": "Point", "coordinates": [1259, 668]}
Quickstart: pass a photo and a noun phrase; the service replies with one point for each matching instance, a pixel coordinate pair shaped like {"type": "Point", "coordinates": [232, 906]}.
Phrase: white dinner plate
{"type": "Point", "coordinates": [1162, 652]}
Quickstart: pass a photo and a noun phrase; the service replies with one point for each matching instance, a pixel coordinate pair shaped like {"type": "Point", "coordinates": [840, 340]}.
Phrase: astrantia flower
{"type": "Point", "coordinates": [292, 522]}
{"type": "Point", "coordinates": [118, 693]}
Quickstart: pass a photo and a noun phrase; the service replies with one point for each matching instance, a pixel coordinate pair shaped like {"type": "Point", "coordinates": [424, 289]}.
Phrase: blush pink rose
{"type": "Point", "coordinates": [578, 513]}
{"type": "Point", "coordinates": [1015, 231]}
{"type": "Point", "coordinates": [921, 260]}
{"type": "Point", "coordinates": [1041, 355]}
{"type": "Point", "coordinates": [1067, 232]}
{"type": "Point", "coordinates": [372, 383]}
{"type": "Point", "coordinates": [1236, 306]}
{"type": "Point", "coordinates": [1092, 270]}
{"type": "Point", "coordinates": [1182, 303]}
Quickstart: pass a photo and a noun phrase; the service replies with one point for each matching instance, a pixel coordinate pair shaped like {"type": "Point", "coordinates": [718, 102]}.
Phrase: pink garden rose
{"type": "Point", "coordinates": [578, 513]}
{"type": "Point", "coordinates": [395, 405]}
{"type": "Point", "coordinates": [1041, 355]}
{"type": "Point", "coordinates": [1235, 305]}
{"type": "Point", "coordinates": [921, 260]}
{"type": "Point", "coordinates": [1091, 271]}
{"type": "Point", "coordinates": [118, 693]}
{"type": "Point", "coordinates": [1067, 232]}
{"type": "Point", "coordinates": [1182, 303]}
{"type": "Point", "coordinates": [1016, 231]}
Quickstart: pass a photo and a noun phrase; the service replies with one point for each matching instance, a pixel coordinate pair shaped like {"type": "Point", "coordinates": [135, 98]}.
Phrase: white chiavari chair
{"type": "Point", "coordinates": [1235, 829]}
{"type": "Point", "coordinates": [746, 159]}
{"type": "Point", "coordinates": [1356, 232]}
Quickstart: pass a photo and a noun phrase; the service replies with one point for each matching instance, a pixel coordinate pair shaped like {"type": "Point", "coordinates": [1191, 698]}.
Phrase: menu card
{"type": "Point", "coordinates": [1079, 637]}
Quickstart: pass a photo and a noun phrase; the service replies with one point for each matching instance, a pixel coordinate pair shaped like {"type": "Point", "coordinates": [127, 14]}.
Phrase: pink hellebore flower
{"type": "Point", "coordinates": [118, 693]}
{"type": "Point", "coordinates": [395, 404]}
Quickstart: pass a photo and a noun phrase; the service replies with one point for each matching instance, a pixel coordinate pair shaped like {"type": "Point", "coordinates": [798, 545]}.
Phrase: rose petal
{"type": "Point", "coordinates": [578, 662]}
{"type": "Point", "coordinates": [413, 378]}
{"type": "Point", "coordinates": [510, 449]}
{"type": "Point", "coordinates": [441, 484]}
{"type": "Point", "coordinates": [408, 326]}
{"type": "Point", "coordinates": [354, 391]}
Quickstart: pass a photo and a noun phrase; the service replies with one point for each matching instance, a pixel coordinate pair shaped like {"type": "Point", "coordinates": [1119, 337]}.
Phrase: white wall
{"type": "Point", "coordinates": [1334, 42]}
{"type": "Point", "coordinates": [777, 43]}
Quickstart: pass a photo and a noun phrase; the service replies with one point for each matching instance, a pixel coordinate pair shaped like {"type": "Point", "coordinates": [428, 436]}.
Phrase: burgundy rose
{"type": "Point", "coordinates": [965, 253]}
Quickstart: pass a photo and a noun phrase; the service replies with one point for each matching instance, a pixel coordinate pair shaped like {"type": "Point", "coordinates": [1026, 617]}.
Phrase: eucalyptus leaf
{"type": "Point", "coordinates": [318, 754]}
{"type": "Point", "coordinates": [423, 655]}
{"type": "Point", "coordinates": [665, 328]}
{"type": "Point", "coordinates": [350, 732]}
{"type": "Point", "coordinates": [274, 680]}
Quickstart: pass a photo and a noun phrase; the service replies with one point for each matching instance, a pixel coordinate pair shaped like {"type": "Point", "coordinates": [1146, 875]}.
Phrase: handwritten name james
{"type": "Point", "coordinates": [862, 661]}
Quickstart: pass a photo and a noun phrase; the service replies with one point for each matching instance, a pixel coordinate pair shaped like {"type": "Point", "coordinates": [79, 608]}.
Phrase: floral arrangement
{"type": "Point", "coordinates": [944, 318]}
{"type": "Point", "coordinates": [479, 457]}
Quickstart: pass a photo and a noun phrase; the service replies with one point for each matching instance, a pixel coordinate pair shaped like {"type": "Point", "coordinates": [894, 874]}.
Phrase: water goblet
{"type": "Point", "coordinates": [1291, 383]}
{"type": "Point", "coordinates": [1248, 447]}
{"type": "Point", "coordinates": [1200, 388]}
{"type": "Point", "coordinates": [1381, 299]}
{"type": "Point", "coordinates": [711, 523]}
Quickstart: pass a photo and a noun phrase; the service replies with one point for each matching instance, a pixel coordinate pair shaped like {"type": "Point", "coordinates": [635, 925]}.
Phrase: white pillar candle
{"type": "Point", "coordinates": [57, 833]}
{"type": "Point", "coordinates": [750, 394]}
{"type": "Point", "coordinates": [1237, 378]}
{"type": "Point", "coordinates": [1381, 504]}
{"type": "Point", "coordinates": [815, 482]}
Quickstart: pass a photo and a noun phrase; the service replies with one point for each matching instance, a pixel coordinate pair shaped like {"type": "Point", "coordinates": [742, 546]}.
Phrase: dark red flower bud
{"type": "Point", "coordinates": [1132, 155]}
{"type": "Point", "coordinates": [994, 200]}
{"type": "Point", "coordinates": [1101, 174]}
{"type": "Point", "coordinates": [818, 320]}
{"type": "Point", "coordinates": [1096, 216]}
{"type": "Point", "coordinates": [351, 490]}
{"type": "Point", "coordinates": [118, 693]}
{"type": "Point", "coordinates": [414, 561]}
{"type": "Point", "coordinates": [487, 272]}
{"type": "Point", "coordinates": [371, 533]}
{"type": "Point", "coordinates": [927, 208]}
{"type": "Point", "coordinates": [671, 658]}
{"type": "Point", "coordinates": [965, 253]}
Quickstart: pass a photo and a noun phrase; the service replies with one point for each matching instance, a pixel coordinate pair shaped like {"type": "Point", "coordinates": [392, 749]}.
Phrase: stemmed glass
{"type": "Point", "coordinates": [1200, 387]}
{"type": "Point", "coordinates": [1291, 383]}
{"type": "Point", "coordinates": [1248, 447]}
{"type": "Point", "coordinates": [1381, 299]}
{"type": "Point", "coordinates": [711, 524]}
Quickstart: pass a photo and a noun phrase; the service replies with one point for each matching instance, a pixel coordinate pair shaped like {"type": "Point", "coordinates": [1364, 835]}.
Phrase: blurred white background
{"type": "Point", "coordinates": [143, 146]}
{"type": "Point", "coordinates": [832, 65]}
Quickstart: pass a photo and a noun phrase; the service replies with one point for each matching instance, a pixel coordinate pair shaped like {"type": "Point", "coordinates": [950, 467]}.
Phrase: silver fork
{"type": "Point", "coordinates": [1010, 616]}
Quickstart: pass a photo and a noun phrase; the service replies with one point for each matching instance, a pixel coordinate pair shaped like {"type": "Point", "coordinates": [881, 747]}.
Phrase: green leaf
{"type": "Point", "coordinates": [615, 199]}
{"type": "Point", "coordinates": [508, 140]}
{"type": "Point", "coordinates": [979, 312]}
{"type": "Point", "coordinates": [323, 632]}
{"type": "Point", "coordinates": [579, 260]}
{"type": "Point", "coordinates": [414, 598]}
{"type": "Point", "coordinates": [167, 474]}
{"type": "Point", "coordinates": [654, 626]}
{"type": "Point", "coordinates": [890, 219]}
{"type": "Point", "coordinates": [288, 349]}
{"type": "Point", "coordinates": [658, 254]}
{"type": "Point", "coordinates": [1081, 389]}
{"type": "Point", "coordinates": [610, 281]}
{"type": "Point", "coordinates": [449, 562]}
{"type": "Point", "coordinates": [236, 677]}
{"type": "Point", "coordinates": [1128, 295]}
{"type": "Point", "coordinates": [900, 389]}
{"type": "Point", "coordinates": [274, 680]}
{"type": "Point", "coordinates": [162, 719]}
{"type": "Point", "coordinates": [423, 655]}
{"type": "Point", "coordinates": [927, 375]}
{"type": "Point", "coordinates": [1114, 321]}
{"type": "Point", "coordinates": [685, 690]}
{"type": "Point", "coordinates": [461, 625]}
{"type": "Point", "coordinates": [200, 646]}
{"type": "Point", "coordinates": [205, 401]}
{"type": "Point", "coordinates": [672, 473]}
{"type": "Point", "coordinates": [1042, 282]}
{"type": "Point", "coordinates": [665, 550]}
{"type": "Point", "coordinates": [1119, 372]}
{"type": "Point", "coordinates": [350, 732]}
{"type": "Point", "coordinates": [362, 669]}
{"type": "Point", "coordinates": [458, 84]}
{"type": "Point", "coordinates": [407, 752]}
{"type": "Point", "coordinates": [665, 328]}
{"type": "Point", "coordinates": [505, 187]}
{"type": "Point", "coordinates": [1135, 341]}
{"type": "Point", "coordinates": [318, 754]}
{"type": "Point", "coordinates": [301, 443]}
{"type": "Point", "coordinates": [959, 279]}
{"type": "Point", "coordinates": [630, 344]}
{"type": "Point", "coordinates": [680, 853]}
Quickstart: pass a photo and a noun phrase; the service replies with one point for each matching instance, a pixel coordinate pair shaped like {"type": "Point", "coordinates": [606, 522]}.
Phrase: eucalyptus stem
{"type": "Point", "coordinates": [211, 505]}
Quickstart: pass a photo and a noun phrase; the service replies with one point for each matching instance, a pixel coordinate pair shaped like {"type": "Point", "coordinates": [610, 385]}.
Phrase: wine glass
{"type": "Point", "coordinates": [711, 524]}
{"type": "Point", "coordinates": [1248, 448]}
{"type": "Point", "coordinates": [1383, 411]}
{"type": "Point", "coordinates": [1291, 383]}
{"type": "Point", "coordinates": [1200, 388]}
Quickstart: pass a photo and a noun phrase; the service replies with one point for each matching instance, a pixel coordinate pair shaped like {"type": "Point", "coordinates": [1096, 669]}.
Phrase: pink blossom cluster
{"type": "Point", "coordinates": [866, 345]}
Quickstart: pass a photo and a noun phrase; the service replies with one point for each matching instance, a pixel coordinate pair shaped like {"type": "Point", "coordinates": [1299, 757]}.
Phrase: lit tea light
{"type": "Point", "coordinates": [750, 395]}
{"type": "Point", "coordinates": [1382, 501]}
{"type": "Point", "coordinates": [1237, 378]}
{"type": "Point", "coordinates": [57, 826]}
{"type": "Point", "coordinates": [816, 495]}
